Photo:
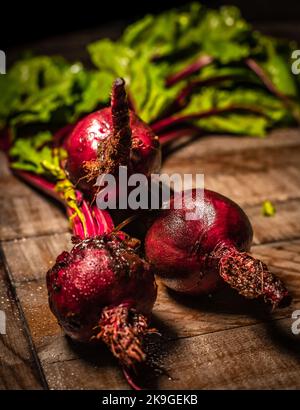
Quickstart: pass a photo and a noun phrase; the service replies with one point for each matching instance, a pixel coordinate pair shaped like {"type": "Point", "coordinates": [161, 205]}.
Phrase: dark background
{"type": "Point", "coordinates": [22, 23]}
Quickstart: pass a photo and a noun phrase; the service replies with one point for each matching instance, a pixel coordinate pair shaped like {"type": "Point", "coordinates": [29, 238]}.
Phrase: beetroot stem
{"type": "Point", "coordinates": [263, 76]}
{"type": "Point", "coordinates": [251, 277]}
{"type": "Point", "coordinates": [90, 221]}
{"type": "Point", "coordinates": [170, 136]}
{"type": "Point", "coordinates": [60, 135]}
{"type": "Point", "coordinates": [190, 87]}
{"type": "Point", "coordinates": [159, 126]}
{"type": "Point", "coordinates": [103, 220]}
{"type": "Point", "coordinates": [120, 109]}
{"type": "Point", "coordinates": [115, 151]}
{"type": "Point", "coordinates": [190, 69]}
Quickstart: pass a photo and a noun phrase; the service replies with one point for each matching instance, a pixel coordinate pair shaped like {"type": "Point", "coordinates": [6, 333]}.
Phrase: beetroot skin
{"type": "Point", "coordinates": [108, 138]}
{"type": "Point", "coordinates": [194, 256]}
{"type": "Point", "coordinates": [102, 289]}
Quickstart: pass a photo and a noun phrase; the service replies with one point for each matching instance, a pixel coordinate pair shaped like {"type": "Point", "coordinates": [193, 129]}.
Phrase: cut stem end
{"type": "Point", "coordinates": [252, 278]}
{"type": "Point", "coordinates": [115, 150]}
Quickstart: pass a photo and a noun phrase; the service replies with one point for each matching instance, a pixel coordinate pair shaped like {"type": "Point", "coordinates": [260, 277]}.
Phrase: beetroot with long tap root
{"type": "Point", "coordinates": [195, 256]}
{"type": "Point", "coordinates": [103, 290]}
{"type": "Point", "coordinates": [108, 138]}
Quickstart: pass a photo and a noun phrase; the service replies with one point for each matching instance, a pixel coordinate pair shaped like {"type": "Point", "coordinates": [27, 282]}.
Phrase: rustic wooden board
{"type": "Point", "coordinates": [177, 317]}
{"type": "Point", "coordinates": [23, 209]}
{"type": "Point", "coordinates": [259, 356]}
{"type": "Point", "coordinates": [18, 368]}
{"type": "Point", "coordinates": [197, 333]}
{"type": "Point", "coordinates": [221, 341]}
{"type": "Point", "coordinates": [247, 170]}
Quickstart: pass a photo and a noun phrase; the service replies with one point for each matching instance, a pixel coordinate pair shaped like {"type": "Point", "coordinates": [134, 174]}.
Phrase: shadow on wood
{"type": "Point", "coordinates": [145, 375]}
{"type": "Point", "coordinates": [280, 332]}
{"type": "Point", "coordinates": [224, 301]}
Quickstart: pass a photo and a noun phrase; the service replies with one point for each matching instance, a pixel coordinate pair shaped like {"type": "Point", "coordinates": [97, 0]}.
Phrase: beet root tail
{"type": "Point", "coordinates": [122, 329]}
{"type": "Point", "coordinates": [252, 278]}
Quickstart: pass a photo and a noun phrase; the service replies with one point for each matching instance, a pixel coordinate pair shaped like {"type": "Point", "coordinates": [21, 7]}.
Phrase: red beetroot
{"type": "Point", "coordinates": [102, 289]}
{"type": "Point", "coordinates": [106, 139]}
{"type": "Point", "coordinates": [193, 256]}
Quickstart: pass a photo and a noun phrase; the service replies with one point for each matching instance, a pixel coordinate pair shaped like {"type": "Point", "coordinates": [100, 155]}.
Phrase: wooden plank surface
{"type": "Point", "coordinates": [220, 341]}
{"type": "Point", "coordinates": [217, 341]}
{"type": "Point", "coordinates": [18, 368]}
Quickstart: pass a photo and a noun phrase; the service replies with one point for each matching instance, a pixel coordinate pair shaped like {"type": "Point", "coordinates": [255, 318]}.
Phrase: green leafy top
{"type": "Point", "coordinates": [50, 91]}
{"type": "Point", "coordinates": [36, 156]}
{"type": "Point", "coordinates": [156, 47]}
{"type": "Point", "coordinates": [193, 30]}
{"type": "Point", "coordinates": [44, 93]}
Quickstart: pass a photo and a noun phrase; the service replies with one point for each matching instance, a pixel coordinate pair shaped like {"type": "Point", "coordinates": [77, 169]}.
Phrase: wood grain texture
{"type": "Point", "coordinates": [24, 211]}
{"type": "Point", "coordinates": [17, 364]}
{"type": "Point", "coordinates": [200, 313]}
{"type": "Point", "coordinates": [247, 170]}
{"type": "Point", "coordinates": [178, 318]}
{"type": "Point", "coordinates": [260, 356]}
{"type": "Point", "coordinates": [284, 225]}
{"type": "Point", "coordinates": [218, 341]}
{"type": "Point", "coordinates": [30, 258]}
{"type": "Point", "coordinates": [30, 216]}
